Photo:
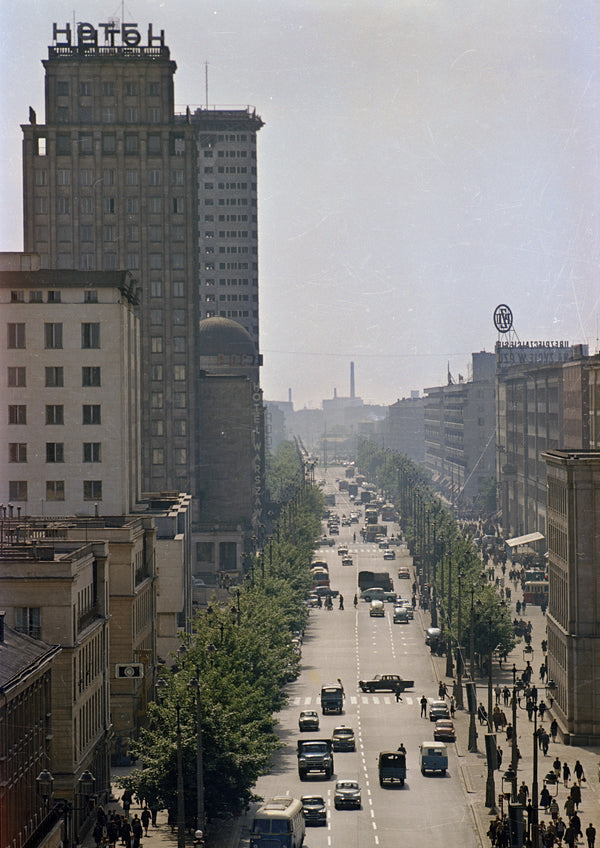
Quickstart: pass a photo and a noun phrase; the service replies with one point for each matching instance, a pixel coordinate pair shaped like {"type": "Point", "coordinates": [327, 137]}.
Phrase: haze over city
{"type": "Point", "coordinates": [420, 163]}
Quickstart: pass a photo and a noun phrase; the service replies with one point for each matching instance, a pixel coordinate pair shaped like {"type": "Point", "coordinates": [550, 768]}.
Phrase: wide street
{"type": "Point", "coordinates": [351, 645]}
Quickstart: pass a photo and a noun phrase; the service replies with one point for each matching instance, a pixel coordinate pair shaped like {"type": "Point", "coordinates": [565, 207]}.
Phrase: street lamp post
{"type": "Point", "coordinates": [472, 728]}
{"type": "Point", "coordinates": [195, 684]}
{"type": "Point", "coordinates": [63, 806]}
{"type": "Point", "coordinates": [459, 655]}
{"type": "Point", "coordinates": [180, 788]}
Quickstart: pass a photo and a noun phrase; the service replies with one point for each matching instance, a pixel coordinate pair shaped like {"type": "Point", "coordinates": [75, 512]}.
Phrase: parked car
{"type": "Point", "coordinates": [437, 710]}
{"type": "Point", "coordinates": [342, 739]}
{"type": "Point", "coordinates": [444, 730]}
{"type": "Point", "coordinates": [314, 809]}
{"type": "Point", "coordinates": [308, 720]}
{"type": "Point", "coordinates": [347, 794]}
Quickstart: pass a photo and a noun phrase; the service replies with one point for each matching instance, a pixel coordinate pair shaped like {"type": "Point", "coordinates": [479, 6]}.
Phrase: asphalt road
{"type": "Point", "coordinates": [350, 645]}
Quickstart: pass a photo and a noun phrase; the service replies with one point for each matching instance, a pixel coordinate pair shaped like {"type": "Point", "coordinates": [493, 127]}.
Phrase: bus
{"type": "Point", "coordinates": [278, 823]}
{"type": "Point", "coordinates": [388, 512]}
{"type": "Point", "coordinates": [536, 592]}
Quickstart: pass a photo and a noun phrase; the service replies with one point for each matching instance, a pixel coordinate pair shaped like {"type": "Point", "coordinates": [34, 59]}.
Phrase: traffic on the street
{"type": "Point", "coordinates": [357, 743]}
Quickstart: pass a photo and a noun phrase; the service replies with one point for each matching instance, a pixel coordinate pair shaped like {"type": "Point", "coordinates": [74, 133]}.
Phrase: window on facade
{"type": "Point", "coordinates": [17, 490]}
{"type": "Point", "coordinates": [180, 427]}
{"type": "Point", "coordinates": [154, 177]}
{"type": "Point", "coordinates": [157, 372]}
{"type": "Point", "coordinates": [41, 145]}
{"type": "Point", "coordinates": [178, 288]}
{"type": "Point", "coordinates": [86, 232]}
{"type": "Point", "coordinates": [41, 177]}
{"type": "Point", "coordinates": [131, 89]}
{"type": "Point", "coordinates": [63, 177]}
{"type": "Point", "coordinates": [177, 261]}
{"type": "Point", "coordinates": [65, 260]}
{"type": "Point", "coordinates": [156, 288]}
{"type": "Point", "coordinates": [179, 317]}
{"type": "Point", "coordinates": [86, 144]}
{"type": "Point", "coordinates": [90, 335]}
{"type": "Point", "coordinates": [155, 232]}
{"type": "Point", "coordinates": [158, 456]}
{"type": "Point", "coordinates": [62, 88]}
{"type": "Point", "coordinates": [17, 452]}
{"type": "Point", "coordinates": [86, 177]}
{"type": "Point", "coordinates": [86, 205]}
{"type": "Point", "coordinates": [108, 115]}
{"type": "Point", "coordinates": [156, 316]}
{"type": "Point", "coordinates": [110, 232]}
{"type": "Point", "coordinates": [64, 232]}
{"type": "Point", "coordinates": [131, 143]}
{"type": "Point", "coordinates": [90, 375]}
{"type": "Point", "coordinates": [157, 344]}
{"type": "Point", "coordinates": [87, 261]}
{"type": "Point", "coordinates": [158, 428]}
{"type": "Point", "coordinates": [63, 205]}
{"type": "Point", "coordinates": [55, 490]}
{"type": "Point", "coordinates": [62, 114]}
{"type": "Point", "coordinates": [108, 176]}
{"type": "Point", "coordinates": [178, 205]}
{"type": "Point", "coordinates": [108, 88]}
{"type": "Point", "coordinates": [154, 145]}
{"type": "Point", "coordinates": [28, 621]}
{"type": "Point", "coordinates": [110, 261]}
{"type": "Point", "coordinates": [55, 452]}
{"type": "Point", "coordinates": [179, 400]}
{"type": "Point", "coordinates": [154, 205]}
{"type": "Point", "coordinates": [157, 400]}
{"type": "Point", "coordinates": [153, 115]}
{"type": "Point", "coordinates": [91, 413]}
{"type": "Point", "coordinates": [92, 490]}
{"type": "Point", "coordinates": [109, 143]}
{"type": "Point", "coordinates": [179, 372]}
{"type": "Point", "coordinates": [108, 204]}
{"type": "Point", "coordinates": [53, 336]}
{"type": "Point", "coordinates": [92, 452]}
{"type": "Point", "coordinates": [153, 89]}
{"type": "Point", "coordinates": [205, 552]}
{"type": "Point", "coordinates": [40, 205]}
{"type": "Point", "coordinates": [85, 114]}
{"type": "Point", "coordinates": [177, 177]}
{"type": "Point", "coordinates": [133, 232]}
{"type": "Point", "coordinates": [16, 376]}
{"type": "Point", "coordinates": [55, 414]}
{"type": "Point", "coordinates": [54, 377]}
{"type": "Point", "coordinates": [90, 296]}
{"type": "Point", "coordinates": [180, 456]}
{"type": "Point", "coordinates": [178, 344]}
{"type": "Point", "coordinates": [16, 336]}
{"type": "Point", "coordinates": [177, 232]}
{"type": "Point", "coordinates": [131, 115]}
{"type": "Point", "coordinates": [155, 261]}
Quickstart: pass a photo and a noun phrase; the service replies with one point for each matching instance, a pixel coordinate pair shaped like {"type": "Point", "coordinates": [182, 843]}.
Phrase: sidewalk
{"type": "Point", "coordinates": [473, 766]}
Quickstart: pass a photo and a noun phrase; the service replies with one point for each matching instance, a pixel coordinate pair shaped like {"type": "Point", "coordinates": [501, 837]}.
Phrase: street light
{"type": "Point", "coordinates": [459, 654]}
{"type": "Point", "coordinates": [473, 707]}
{"type": "Point", "coordinates": [195, 684]}
{"type": "Point", "coordinates": [63, 806]}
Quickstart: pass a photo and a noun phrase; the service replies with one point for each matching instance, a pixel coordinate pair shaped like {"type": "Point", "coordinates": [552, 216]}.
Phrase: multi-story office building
{"type": "Point", "coordinates": [573, 525]}
{"type": "Point", "coordinates": [71, 393]}
{"type": "Point", "coordinates": [459, 423]}
{"type": "Point", "coordinates": [404, 429]}
{"type": "Point", "coordinates": [539, 408]}
{"type": "Point", "coordinates": [115, 179]}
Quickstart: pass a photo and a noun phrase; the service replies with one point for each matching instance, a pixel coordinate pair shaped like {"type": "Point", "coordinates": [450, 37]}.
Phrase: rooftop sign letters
{"type": "Point", "coordinates": [109, 34]}
{"type": "Point", "coordinates": [503, 318]}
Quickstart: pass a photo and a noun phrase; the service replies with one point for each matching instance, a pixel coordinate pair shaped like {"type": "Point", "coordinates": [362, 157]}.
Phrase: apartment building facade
{"type": "Point", "coordinates": [70, 380]}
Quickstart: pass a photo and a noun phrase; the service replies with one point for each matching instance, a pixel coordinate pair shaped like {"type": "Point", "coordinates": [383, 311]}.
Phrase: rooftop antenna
{"type": "Point", "coordinates": [206, 82]}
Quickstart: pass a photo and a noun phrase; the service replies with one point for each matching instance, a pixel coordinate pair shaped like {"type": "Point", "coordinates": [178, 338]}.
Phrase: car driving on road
{"type": "Point", "coordinates": [347, 794]}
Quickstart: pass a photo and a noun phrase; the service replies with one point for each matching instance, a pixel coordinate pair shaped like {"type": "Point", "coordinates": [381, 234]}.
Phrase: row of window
{"type": "Point", "coordinates": [230, 201]}
{"type": "Point", "coordinates": [229, 154]}
{"type": "Point", "coordinates": [53, 336]}
{"type": "Point", "coordinates": [55, 490]}
{"type": "Point", "coordinates": [230, 266]}
{"type": "Point", "coordinates": [230, 313]}
{"type": "Point", "coordinates": [108, 115]}
{"type": "Point", "coordinates": [229, 281]}
{"type": "Point", "coordinates": [87, 177]}
{"type": "Point", "coordinates": [55, 452]}
{"type": "Point", "coordinates": [232, 217]}
{"type": "Point", "coordinates": [86, 141]}
{"type": "Point", "coordinates": [91, 413]}
{"type": "Point", "coordinates": [85, 88]}
{"type": "Point", "coordinates": [109, 233]}
{"type": "Point", "coordinates": [229, 186]}
{"type": "Point", "coordinates": [111, 261]}
{"type": "Point", "coordinates": [211, 298]}
{"type": "Point", "coordinates": [86, 205]}
{"type": "Point", "coordinates": [52, 296]}
{"type": "Point", "coordinates": [54, 376]}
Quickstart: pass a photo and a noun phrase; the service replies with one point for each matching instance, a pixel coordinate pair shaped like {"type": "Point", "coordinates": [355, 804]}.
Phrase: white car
{"type": "Point", "coordinates": [347, 794]}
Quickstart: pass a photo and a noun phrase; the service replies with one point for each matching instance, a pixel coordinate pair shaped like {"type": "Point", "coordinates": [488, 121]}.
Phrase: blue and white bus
{"type": "Point", "coordinates": [278, 823]}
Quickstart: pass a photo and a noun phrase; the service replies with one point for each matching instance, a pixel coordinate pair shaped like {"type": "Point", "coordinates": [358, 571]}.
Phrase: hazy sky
{"type": "Point", "coordinates": [421, 162]}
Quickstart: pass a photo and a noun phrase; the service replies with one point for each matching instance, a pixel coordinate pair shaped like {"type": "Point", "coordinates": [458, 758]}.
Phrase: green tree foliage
{"type": "Point", "coordinates": [233, 668]}
{"type": "Point", "coordinates": [283, 472]}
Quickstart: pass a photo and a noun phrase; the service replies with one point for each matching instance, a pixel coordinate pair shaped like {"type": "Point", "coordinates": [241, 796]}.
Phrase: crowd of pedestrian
{"type": "Point", "coordinates": [114, 828]}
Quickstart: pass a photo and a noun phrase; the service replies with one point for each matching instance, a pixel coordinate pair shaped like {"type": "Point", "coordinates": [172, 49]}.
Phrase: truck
{"type": "Point", "coordinates": [315, 755]}
{"type": "Point", "coordinates": [330, 499]}
{"type": "Point", "coordinates": [350, 471]}
{"type": "Point", "coordinates": [353, 489]}
{"type": "Point", "coordinates": [372, 531]}
{"type": "Point", "coordinates": [365, 497]}
{"type": "Point", "coordinates": [343, 485]}
{"type": "Point", "coordinates": [366, 579]}
{"type": "Point", "coordinates": [332, 698]}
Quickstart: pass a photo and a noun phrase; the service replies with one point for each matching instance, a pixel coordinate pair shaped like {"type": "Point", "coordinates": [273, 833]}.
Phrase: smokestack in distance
{"type": "Point", "coordinates": [352, 379]}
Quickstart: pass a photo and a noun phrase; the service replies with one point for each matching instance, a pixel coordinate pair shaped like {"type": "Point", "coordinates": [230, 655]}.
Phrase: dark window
{"type": "Point", "coordinates": [91, 413]}
{"type": "Point", "coordinates": [63, 144]}
{"type": "Point", "coordinates": [17, 452]}
{"type": "Point", "coordinates": [16, 376]}
{"type": "Point", "coordinates": [16, 336]}
{"type": "Point", "coordinates": [28, 621]}
{"type": "Point", "coordinates": [55, 452]}
{"type": "Point", "coordinates": [90, 335]}
{"type": "Point", "coordinates": [55, 414]}
{"type": "Point", "coordinates": [17, 414]}
{"type": "Point", "coordinates": [55, 490]}
{"type": "Point", "coordinates": [90, 375]}
{"type": "Point", "coordinates": [54, 377]}
{"type": "Point", "coordinates": [92, 490]}
{"type": "Point", "coordinates": [17, 490]}
{"type": "Point", "coordinates": [92, 452]}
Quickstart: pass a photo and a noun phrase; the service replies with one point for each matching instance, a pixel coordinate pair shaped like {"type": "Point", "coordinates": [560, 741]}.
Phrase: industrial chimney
{"type": "Point", "coordinates": [352, 380]}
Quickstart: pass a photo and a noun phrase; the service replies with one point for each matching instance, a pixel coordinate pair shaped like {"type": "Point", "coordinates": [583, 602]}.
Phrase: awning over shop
{"type": "Point", "coordinates": [524, 540]}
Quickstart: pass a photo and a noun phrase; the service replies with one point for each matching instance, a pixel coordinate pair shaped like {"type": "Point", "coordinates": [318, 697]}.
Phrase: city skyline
{"type": "Point", "coordinates": [417, 167]}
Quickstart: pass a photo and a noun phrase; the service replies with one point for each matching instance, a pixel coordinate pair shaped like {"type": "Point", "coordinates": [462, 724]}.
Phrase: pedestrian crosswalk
{"type": "Point", "coordinates": [315, 700]}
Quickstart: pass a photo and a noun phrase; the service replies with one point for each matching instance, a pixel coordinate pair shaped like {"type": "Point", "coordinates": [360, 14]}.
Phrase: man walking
{"type": "Point", "coordinates": [423, 703]}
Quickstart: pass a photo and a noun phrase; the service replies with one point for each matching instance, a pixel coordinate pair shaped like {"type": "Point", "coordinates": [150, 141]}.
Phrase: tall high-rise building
{"type": "Point", "coordinates": [114, 179]}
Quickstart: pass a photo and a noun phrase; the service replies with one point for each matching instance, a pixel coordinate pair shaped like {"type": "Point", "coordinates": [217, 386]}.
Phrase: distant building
{"type": "Point", "coordinates": [459, 424]}
{"type": "Point", "coordinates": [404, 428]}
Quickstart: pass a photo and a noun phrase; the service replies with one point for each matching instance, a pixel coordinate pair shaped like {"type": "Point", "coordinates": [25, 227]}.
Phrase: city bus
{"type": "Point", "coordinates": [536, 592]}
{"type": "Point", "coordinates": [278, 823]}
{"type": "Point", "coordinates": [388, 512]}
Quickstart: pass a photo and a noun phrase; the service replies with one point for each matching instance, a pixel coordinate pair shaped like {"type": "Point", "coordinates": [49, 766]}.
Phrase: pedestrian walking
{"type": "Point", "coordinates": [554, 729]}
{"type": "Point", "coordinates": [557, 766]}
{"type": "Point", "coordinates": [498, 692]}
{"type": "Point", "coordinates": [125, 833]}
{"type": "Point", "coordinates": [397, 692]}
{"type": "Point", "coordinates": [442, 689]}
{"type": "Point", "coordinates": [541, 710]}
{"type": "Point", "coordinates": [590, 833]}
{"type": "Point", "coordinates": [545, 798]}
{"type": "Point", "coordinates": [126, 799]}
{"type": "Point", "coordinates": [576, 795]}
{"type": "Point", "coordinates": [545, 743]}
{"type": "Point", "coordinates": [355, 601]}
{"type": "Point", "coordinates": [566, 771]}
{"type": "Point", "coordinates": [575, 823]}
{"type": "Point", "coordinates": [452, 706]}
{"type": "Point", "coordinates": [98, 833]}
{"type": "Point", "coordinates": [569, 807]}
{"type": "Point", "coordinates": [137, 831]}
{"type": "Point", "coordinates": [578, 769]}
{"type": "Point", "coordinates": [506, 696]}
{"type": "Point", "coordinates": [481, 714]}
{"type": "Point", "coordinates": [145, 819]}
{"type": "Point", "coordinates": [570, 836]}
{"type": "Point", "coordinates": [554, 809]}
{"type": "Point", "coordinates": [423, 703]}
{"type": "Point", "coordinates": [560, 828]}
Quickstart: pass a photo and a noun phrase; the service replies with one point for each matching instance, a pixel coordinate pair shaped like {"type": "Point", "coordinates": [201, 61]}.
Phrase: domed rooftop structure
{"type": "Point", "coordinates": [224, 337]}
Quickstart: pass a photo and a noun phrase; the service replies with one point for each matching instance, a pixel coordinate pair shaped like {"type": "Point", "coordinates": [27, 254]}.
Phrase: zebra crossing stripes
{"type": "Point", "coordinates": [315, 701]}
